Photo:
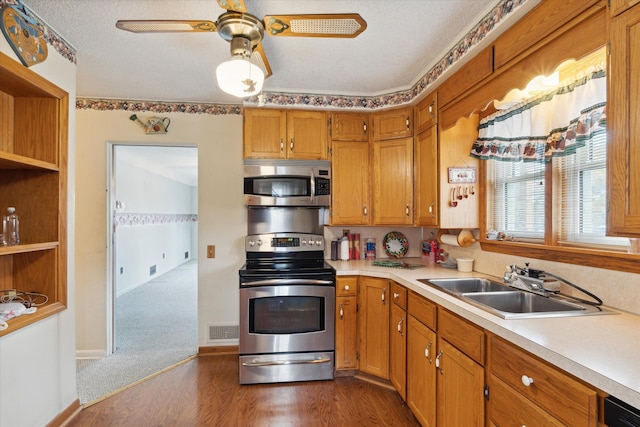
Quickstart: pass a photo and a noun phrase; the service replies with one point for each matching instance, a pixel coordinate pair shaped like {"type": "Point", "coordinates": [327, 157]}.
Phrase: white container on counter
{"type": "Point", "coordinates": [465, 264]}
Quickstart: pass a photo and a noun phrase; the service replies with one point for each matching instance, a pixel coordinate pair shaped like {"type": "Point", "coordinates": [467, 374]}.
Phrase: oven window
{"type": "Point", "coordinates": [278, 186]}
{"type": "Point", "coordinates": [286, 315]}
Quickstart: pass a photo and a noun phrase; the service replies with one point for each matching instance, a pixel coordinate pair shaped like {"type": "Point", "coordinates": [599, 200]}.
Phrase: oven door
{"type": "Point", "coordinates": [286, 318]}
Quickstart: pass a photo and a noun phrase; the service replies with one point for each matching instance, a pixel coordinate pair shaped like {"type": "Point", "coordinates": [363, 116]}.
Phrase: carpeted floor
{"type": "Point", "coordinates": [156, 327]}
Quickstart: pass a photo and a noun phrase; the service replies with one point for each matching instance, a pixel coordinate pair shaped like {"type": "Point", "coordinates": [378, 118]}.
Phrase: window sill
{"type": "Point", "coordinates": [609, 260]}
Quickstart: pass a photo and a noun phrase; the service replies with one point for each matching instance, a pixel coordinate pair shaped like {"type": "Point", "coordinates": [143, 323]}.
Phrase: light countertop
{"type": "Point", "coordinates": [602, 350]}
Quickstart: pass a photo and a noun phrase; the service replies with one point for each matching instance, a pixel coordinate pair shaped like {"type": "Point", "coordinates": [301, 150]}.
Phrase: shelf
{"type": "Point", "coordinates": [14, 161]}
{"type": "Point", "coordinates": [31, 247]}
{"type": "Point", "coordinates": [28, 319]}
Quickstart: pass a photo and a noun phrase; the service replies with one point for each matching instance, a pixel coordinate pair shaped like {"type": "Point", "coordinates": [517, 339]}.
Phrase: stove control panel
{"type": "Point", "coordinates": [284, 242]}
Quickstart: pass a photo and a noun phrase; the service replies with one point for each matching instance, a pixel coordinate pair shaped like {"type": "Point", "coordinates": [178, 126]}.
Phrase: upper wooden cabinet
{"type": "Point", "coordinates": [623, 125]}
{"type": "Point", "coordinates": [393, 182]}
{"type": "Point", "coordinates": [391, 124]}
{"type": "Point", "coordinates": [426, 177]}
{"type": "Point", "coordinates": [426, 114]}
{"type": "Point", "coordinates": [618, 6]}
{"type": "Point", "coordinates": [349, 127]}
{"type": "Point", "coordinates": [34, 117]}
{"type": "Point", "coordinates": [282, 134]}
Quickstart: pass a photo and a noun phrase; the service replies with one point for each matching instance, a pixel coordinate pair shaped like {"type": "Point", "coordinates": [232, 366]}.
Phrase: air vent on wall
{"type": "Point", "coordinates": [223, 331]}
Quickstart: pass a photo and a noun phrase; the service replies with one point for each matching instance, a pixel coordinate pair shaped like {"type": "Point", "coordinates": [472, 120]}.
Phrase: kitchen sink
{"type": "Point", "coordinates": [511, 303]}
{"type": "Point", "coordinates": [459, 286]}
{"type": "Point", "coordinates": [520, 304]}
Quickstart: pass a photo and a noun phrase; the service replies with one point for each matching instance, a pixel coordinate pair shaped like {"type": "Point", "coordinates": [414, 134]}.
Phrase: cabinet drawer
{"type": "Point", "coordinates": [508, 408]}
{"type": "Point", "coordinates": [346, 286]}
{"type": "Point", "coordinates": [467, 337]}
{"type": "Point", "coordinates": [422, 309]}
{"type": "Point", "coordinates": [565, 398]}
{"type": "Point", "coordinates": [399, 295]}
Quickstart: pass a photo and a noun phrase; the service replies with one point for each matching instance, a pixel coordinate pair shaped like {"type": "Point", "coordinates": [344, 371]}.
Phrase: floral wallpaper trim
{"type": "Point", "coordinates": [503, 9]}
{"type": "Point", "coordinates": [140, 219]}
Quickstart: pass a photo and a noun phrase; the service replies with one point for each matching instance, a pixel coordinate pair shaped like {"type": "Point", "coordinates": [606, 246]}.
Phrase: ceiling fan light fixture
{"type": "Point", "coordinates": [240, 77]}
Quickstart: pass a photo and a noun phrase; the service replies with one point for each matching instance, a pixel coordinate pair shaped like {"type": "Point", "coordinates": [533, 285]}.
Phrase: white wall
{"type": "Point", "coordinates": [221, 214]}
{"type": "Point", "coordinates": [37, 363]}
{"type": "Point", "coordinates": [155, 227]}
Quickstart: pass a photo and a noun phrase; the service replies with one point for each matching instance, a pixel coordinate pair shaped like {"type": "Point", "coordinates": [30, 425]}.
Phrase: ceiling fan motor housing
{"type": "Point", "coordinates": [232, 25]}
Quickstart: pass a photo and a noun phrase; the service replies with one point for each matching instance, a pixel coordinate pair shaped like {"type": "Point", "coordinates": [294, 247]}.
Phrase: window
{"type": "Point", "coordinates": [547, 162]}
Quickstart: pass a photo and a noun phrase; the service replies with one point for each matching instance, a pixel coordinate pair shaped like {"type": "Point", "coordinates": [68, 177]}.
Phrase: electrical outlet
{"type": "Point", "coordinates": [211, 251]}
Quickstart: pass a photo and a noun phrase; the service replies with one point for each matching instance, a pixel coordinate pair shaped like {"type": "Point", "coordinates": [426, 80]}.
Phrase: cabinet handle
{"type": "Point", "coordinates": [526, 381]}
{"type": "Point", "coordinates": [427, 350]}
{"type": "Point", "coordinates": [281, 145]}
{"type": "Point", "coordinates": [406, 210]}
{"type": "Point", "coordinates": [431, 209]}
{"type": "Point", "coordinates": [384, 292]}
{"type": "Point", "coordinates": [291, 145]}
{"type": "Point", "coordinates": [438, 363]}
{"type": "Point", "coordinates": [364, 127]}
{"type": "Point", "coordinates": [396, 295]}
{"type": "Point", "coordinates": [400, 326]}
{"type": "Point", "coordinates": [346, 287]}
{"type": "Point", "coordinates": [407, 121]}
{"type": "Point", "coordinates": [341, 311]}
{"type": "Point", "coordinates": [431, 109]}
{"type": "Point", "coordinates": [366, 211]}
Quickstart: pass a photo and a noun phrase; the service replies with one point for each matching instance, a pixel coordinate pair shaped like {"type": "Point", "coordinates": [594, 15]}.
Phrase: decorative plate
{"type": "Point", "coordinates": [23, 34]}
{"type": "Point", "coordinates": [395, 244]}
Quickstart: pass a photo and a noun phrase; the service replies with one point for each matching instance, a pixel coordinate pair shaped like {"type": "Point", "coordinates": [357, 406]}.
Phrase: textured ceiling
{"type": "Point", "coordinates": [403, 40]}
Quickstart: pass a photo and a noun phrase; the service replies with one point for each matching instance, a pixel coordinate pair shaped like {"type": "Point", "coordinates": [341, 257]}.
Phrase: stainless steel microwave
{"type": "Point", "coordinates": [287, 183]}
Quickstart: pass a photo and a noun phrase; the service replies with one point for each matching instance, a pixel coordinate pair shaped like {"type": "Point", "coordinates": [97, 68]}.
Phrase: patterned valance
{"type": "Point", "coordinates": [555, 123]}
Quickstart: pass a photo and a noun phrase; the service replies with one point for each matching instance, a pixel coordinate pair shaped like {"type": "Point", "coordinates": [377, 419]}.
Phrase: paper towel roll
{"type": "Point", "coordinates": [464, 239]}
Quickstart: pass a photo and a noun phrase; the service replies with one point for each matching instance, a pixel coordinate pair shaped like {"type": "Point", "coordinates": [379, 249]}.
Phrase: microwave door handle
{"type": "Point", "coordinates": [313, 186]}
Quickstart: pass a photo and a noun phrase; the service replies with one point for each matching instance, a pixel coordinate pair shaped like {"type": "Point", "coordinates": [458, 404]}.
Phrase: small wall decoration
{"type": "Point", "coordinates": [462, 175]}
{"type": "Point", "coordinates": [23, 34]}
{"type": "Point", "coordinates": [154, 125]}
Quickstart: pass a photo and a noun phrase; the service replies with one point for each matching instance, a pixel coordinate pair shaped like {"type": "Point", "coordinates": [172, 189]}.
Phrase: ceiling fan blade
{"type": "Point", "coordinates": [344, 25]}
{"type": "Point", "coordinates": [235, 5]}
{"type": "Point", "coordinates": [166, 26]}
{"type": "Point", "coordinates": [259, 58]}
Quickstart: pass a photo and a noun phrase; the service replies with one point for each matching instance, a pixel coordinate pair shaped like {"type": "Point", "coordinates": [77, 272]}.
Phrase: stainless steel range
{"type": "Point", "coordinates": [287, 308]}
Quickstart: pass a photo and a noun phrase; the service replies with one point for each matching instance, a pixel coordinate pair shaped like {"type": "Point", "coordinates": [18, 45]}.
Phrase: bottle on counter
{"type": "Point", "coordinates": [334, 249]}
{"type": "Point", "coordinates": [344, 248]}
{"type": "Point", "coordinates": [11, 227]}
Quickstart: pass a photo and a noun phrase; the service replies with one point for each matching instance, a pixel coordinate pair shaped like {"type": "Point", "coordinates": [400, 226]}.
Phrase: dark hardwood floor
{"type": "Point", "coordinates": [205, 392]}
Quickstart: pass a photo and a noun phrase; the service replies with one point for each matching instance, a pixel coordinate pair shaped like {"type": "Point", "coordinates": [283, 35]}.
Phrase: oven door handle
{"type": "Point", "coordinates": [275, 282]}
{"type": "Point", "coordinates": [287, 362]}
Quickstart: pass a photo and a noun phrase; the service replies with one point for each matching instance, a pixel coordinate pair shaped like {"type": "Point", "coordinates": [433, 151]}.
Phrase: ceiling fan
{"type": "Point", "coordinates": [245, 72]}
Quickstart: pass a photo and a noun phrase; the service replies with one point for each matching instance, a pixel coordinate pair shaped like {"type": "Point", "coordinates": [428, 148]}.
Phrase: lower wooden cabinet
{"type": "Point", "coordinates": [421, 372]}
{"type": "Point", "coordinates": [346, 325]}
{"type": "Point", "coordinates": [398, 340]}
{"type": "Point", "coordinates": [373, 318]}
{"type": "Point", "coordinates": [548, 392]}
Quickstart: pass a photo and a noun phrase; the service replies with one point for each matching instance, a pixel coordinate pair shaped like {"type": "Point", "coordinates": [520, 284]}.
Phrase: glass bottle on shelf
{"type": "Point", "coordinates": [11, 227]}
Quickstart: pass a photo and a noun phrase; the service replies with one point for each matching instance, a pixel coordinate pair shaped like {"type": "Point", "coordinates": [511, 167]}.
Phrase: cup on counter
{"type": "Point", "coordinates": [465, 265]}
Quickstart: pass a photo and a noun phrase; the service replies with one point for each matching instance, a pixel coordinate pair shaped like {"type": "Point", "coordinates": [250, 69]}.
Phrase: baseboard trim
{"type": "Point", "coordinates": [374, 380]}
{"type": "Point", "coordinates": [90, 354]}
{"type": "Point", "coordinates": [217, 350]}
{"type": "Point", "coordinates": [67, 415]}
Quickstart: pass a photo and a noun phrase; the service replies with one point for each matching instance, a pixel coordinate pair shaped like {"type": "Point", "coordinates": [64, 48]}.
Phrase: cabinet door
{"type": "Point", "coordinates": [393, 182]}
{"type": "Point", "coordinates": [264, 133]}
{"type": "Point", "coordinates": [373, 318]}
{"type": "Point", "coordinates": [350, 194]}
{"type": "Point", "coordinates": [398, 350]}
{"type": "Point", "coordinates": [350, 127]}
{"type": "Point", "coordinates": [623, 122]}
{"type": "Point", "coordinates": [346, 333]}
{"type": "Point", "coordinates": [421, 372]}
{"type": "Point", "coordinates": [460, 388]}
{"type": "Point", "coordinates": [306, 135]}
{"type": "Point", "coordinates": [426, 113]}
{"type": "Point", "coordinates": [426, 164]}
{"type": "Point", "coordinates": [392, 124]}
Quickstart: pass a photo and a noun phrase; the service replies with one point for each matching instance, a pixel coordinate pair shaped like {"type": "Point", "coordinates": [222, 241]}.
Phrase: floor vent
{"type": "Point", "coordinates": [223, 331]}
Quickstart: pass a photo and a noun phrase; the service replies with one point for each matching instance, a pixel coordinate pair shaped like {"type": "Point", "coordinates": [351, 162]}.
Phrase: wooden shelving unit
{"type": "Point", "coordinates": [34, 116]}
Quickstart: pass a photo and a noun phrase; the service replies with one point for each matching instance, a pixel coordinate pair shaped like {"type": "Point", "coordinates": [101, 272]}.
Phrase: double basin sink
{"type": "Point", "coordinates": [510, 303]}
